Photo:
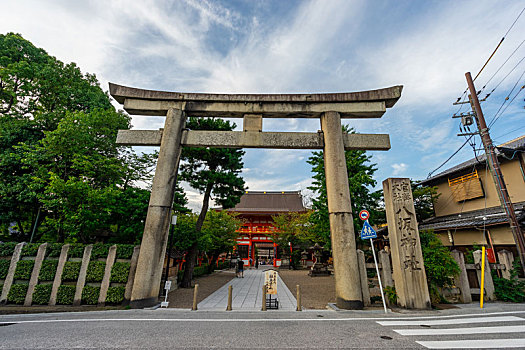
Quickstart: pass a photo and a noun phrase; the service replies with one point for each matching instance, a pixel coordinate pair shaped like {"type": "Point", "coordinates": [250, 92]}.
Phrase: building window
{"type": "Point", "coordinates": [466, 187]}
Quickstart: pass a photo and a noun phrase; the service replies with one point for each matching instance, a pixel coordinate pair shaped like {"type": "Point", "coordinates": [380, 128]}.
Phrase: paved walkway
{"type": "Point", "coordinates": [247, 294]}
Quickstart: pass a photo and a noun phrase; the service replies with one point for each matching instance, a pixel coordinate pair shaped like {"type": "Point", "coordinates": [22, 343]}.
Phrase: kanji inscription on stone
{"type": "Point", "coordinates": [407, 258]}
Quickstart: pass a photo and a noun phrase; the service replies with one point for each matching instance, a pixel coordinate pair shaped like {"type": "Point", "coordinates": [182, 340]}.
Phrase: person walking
{"type": "Point", "coordinates": [240, 265]}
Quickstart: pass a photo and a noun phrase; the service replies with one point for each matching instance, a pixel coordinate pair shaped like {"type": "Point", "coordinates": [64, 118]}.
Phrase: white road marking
{"type": "Point", "coordinates": [474, 344]}
{"type": "Point", "coordinates": [472, 330]}
{"type": "Point", "coordinates": [479, 319]}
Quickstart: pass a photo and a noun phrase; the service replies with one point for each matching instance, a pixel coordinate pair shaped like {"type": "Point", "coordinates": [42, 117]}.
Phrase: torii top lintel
{"type": "Point", "coordinates": [362, 104]}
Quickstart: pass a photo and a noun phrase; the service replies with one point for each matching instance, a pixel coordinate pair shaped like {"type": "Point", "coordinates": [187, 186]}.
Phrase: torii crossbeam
{"type": "Point", "coordinates": [329, 108]}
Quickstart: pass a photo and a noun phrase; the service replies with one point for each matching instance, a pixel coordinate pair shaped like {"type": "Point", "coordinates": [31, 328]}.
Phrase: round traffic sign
{"type": "Point", "coordinates": [364, 215]}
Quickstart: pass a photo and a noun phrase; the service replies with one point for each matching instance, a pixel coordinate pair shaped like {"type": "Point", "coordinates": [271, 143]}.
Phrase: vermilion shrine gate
{"type": "Point", "coordinates": [329, 108]}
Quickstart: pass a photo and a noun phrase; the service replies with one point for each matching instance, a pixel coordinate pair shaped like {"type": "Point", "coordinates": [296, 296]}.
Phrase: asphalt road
{"type": "Point", "coordinates": [496, 326]}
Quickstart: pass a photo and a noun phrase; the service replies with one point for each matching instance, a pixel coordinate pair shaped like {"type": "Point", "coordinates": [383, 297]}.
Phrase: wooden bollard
{"type": "Point", "coordinates": [263, 298]}
{"type": "Point", "coordinates": [229, 307]}
{"type": "Point", "coordinates": [195, 291]}
{"type": "Point", "coordinates": [299, 307]}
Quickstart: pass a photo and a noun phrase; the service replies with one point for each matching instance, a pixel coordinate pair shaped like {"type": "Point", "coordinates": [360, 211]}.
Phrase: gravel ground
{"type": "Point", "coordinates": [182, 298]}
{"type": "Point", "coordinates": [316, 292]}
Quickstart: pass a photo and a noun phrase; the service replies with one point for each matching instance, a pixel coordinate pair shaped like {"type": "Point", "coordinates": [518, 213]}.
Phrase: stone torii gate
{"type": "Point", "coordinates": [176, 106]}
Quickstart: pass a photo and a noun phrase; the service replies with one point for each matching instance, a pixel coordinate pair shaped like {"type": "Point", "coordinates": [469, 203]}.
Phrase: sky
{"type": "Point", "coordinates": [273, 46]}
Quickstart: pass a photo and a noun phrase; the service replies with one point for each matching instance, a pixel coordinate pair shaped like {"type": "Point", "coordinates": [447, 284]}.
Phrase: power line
{"type": "Point", "coordinates": [497, 71]}
{"type": "Point", "coordinates": [449, 158]}
{"type": "Point", "coordinates": [503, 111]}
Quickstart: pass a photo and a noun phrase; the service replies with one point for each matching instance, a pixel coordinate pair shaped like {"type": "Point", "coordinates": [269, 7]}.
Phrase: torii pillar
{"type": "Point", "coordinates": [330, 108]}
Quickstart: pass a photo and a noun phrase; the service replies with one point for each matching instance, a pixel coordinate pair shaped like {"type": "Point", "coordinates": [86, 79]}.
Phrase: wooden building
{"type": "Point", "coordinates": [257, 209]}
{"type": "Point", "coordinates": [468, 210]}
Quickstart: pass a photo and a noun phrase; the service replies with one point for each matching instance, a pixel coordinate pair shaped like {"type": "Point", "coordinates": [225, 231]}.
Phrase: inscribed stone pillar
{"type": "Point", "coordinates": [153, 246]}
{"type": "Point", "coordinates": [365, 291]}
{"type": "Point", "coordinates": [407, 259]}
{"type": "Point", "coordinates": [347, 279]}
{"type": "Point", "coordinates": [506, 258]}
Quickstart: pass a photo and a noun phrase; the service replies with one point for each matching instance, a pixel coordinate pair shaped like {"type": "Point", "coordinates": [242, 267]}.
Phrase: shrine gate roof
{"type": "Point", "coordinates": [270, 202]}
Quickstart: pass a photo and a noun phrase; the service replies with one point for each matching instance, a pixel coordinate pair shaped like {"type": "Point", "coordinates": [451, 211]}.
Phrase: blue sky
{"type": "Point", "coordinates": [299, 46]}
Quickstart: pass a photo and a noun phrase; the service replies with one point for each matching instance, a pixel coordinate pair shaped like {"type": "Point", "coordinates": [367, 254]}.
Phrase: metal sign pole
{"type": "Point", "coordinates": [378, 275]}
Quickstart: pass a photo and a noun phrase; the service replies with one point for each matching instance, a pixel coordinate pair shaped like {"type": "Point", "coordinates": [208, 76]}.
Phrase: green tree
{"type": "Point", "coordinates": [36, 91]}
{"type": "Point", "coordinates": [360, 180]}
{"type": "Point", "coordinates": [211, 171]}
{"type": "Point", "coordinates": [218, 234]}
{"type": "Point", "coordinates": [295, 229]}
{"type": "Point", "coordinates": [424, 198]}
{"type": "Point", "coordinates": [61, 172]}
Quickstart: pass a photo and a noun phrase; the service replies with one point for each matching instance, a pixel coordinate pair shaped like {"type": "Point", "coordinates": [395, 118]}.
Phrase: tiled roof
{"type": "Point", "coordinates": [270, 202]}
{"type": "Point", "coordinates": [493, 216]}
{"type": "Point", "coordinates": [501, 150]}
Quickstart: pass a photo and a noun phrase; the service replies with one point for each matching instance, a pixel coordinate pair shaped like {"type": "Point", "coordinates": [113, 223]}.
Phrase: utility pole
{"type": "Point", "coordinates": [495, 169]}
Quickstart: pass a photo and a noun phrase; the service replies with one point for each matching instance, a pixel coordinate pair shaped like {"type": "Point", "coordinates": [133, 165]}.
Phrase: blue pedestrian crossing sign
{"type": "Point", "coordinates": [368, 232]}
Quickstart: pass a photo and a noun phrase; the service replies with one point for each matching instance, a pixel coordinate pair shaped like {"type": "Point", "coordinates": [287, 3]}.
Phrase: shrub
{"type": "Point", "coordinates": [24, 269]}
{"type": "Point", "coordinates": [200, 270]}
{"type": "Point", "coordinates": [440, 266]}
{"type": "Point", "coordinates": [100, 250]}
{"type": "Point", "coordinates": [30, 249]}
{"type": "Point", "coordinates": [76, 250]}
{"type": "Point", "coordinates": [90, 295]}
{"type": "Point", "coordinates": [95, 271]}
{"type": "Point", "coordinates": [17, 293]}
{"type": "Point", "coordinates": [71, 270]}
{"type": "Point", "coordinates": [7, 248]}
{"type": "Point", "coordinates": [120, 272]}
{"type": "Point", "coordinates": [125, 251]}
{"type": "Point", "coordinates": [48, 270]}
{"type": "Point", "coordinates": [54, 249]}
{"type": "Point", "coordinates": [4, 268]}
{"type": "Point", "coordinates": [115, 295]}
{"type": "Point", "coordinates": [66, 294]}
{"type": "Point", "coordinates": [42, 294]}
{"type": "Point", "coordinates": [512, 289]}
{"type": "Point", "coordinates": [391, 294]}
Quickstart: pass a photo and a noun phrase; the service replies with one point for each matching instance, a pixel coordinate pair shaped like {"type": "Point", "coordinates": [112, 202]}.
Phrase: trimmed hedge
{"type": "Point", "coordinates": [4, 268]}
{"type": "Point", "coordinates": [100, 250]}
{"type": "Point", "coordinates": [54, 249]}
{"type": "Point", "coordinates": [24, 268]}
{"type": "Point", "coordinates": [30, 249]}
{"type": "Point", "coordinates": [71, 271]}
{"type": "Point", "coordinates": [66, 294]}
{"type": "Point", "coordinates": [17, 294]}
{"type": "Point", "coordinates": [42, 294]}
{"type": "Point", "coordinates": [90, 295]}
{"type": "Point", "coordinates": [197, 272]}
{"type": "Point", "coordinates": [120, 272]}
{"type": "Point", "coordinates": [125, 251]}
{"type": "Point", "coordinates": [76, 250]}
{"type": "Point", "coordinates": [115, 295]}
{"type": "Point", "coordinates": [7, 248]}
{"type": "Point", "coordinates": [48, 270]}
{"type": "Point", "coordinates": [95, 271]}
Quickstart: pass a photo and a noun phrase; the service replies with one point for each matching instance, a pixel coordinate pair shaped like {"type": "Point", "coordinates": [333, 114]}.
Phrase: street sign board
{"type": "Point", "coordinates": [167, 285]}
{"type": "Point", "coordinates": [368, 232]}
{"type": "Point", "coordinates": [364, 215]}
{"type": "Point", "coordinates": [270, 280]}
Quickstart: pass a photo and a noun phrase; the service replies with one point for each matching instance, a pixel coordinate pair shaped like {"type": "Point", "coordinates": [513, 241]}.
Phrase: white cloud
{"type": "Point", "coordinates": [399, 169]}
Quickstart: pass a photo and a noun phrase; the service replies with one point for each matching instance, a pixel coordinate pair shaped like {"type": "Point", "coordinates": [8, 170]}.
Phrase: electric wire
{"type": "Point", "coordinates": [449, 158]}
{"type": "Point", "coordinates": [496, 116]}
{"type": "Point", "coordinates": [497, 71]}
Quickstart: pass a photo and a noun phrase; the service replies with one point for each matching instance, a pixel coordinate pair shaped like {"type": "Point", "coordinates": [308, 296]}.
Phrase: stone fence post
{"type": "Point", "coordinates": [489, 284]}
{"type": "Point", "coordinates": [506, 258]}
{"type": "Point", "coordinates": [104, 286]}
{"type": "Point", "coordinates": [82, 275]}
{"type": "Point", "coordinates": [58, 275]}
{"type": "Point", "coordinates": [461, 281]}
{"type": "Point", "coordinates": [386, 268]}
{"type": "Point", "coordinates": [40, 255]}
{"type": "Point", "coordinates": [131, 276]}
{"type": "Point", "coordinates": [11, 273]}
{"type": "Point", "coordinates": [364, 277]}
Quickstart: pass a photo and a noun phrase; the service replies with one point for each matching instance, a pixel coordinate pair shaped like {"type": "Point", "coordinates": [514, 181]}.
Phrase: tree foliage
{"type": "Point", "coordinates": [61, 172]}
{"type": "Point", "coordinates": [213, 172]}
{"type": "Point", "coordinates": [360, 180]}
